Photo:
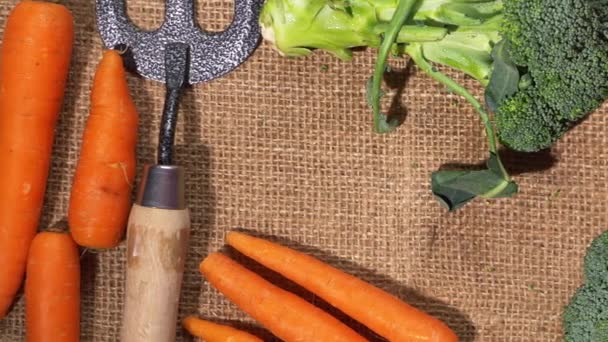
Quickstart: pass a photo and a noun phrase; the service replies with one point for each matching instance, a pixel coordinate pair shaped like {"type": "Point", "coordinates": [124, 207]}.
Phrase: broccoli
{"type": "Point", "coordinates": [585, 318]}
{"type": "Point", "coordinates": [562, 45]}
{"type": "Point", "coordinates": [596, 262]}
{"type": "Point", "coordinates": [543, 63]}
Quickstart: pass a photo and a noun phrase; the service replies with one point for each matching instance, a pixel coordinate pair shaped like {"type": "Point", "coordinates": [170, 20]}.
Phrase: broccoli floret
{"type": "Point", "coordinates": [585, 318]}
{"type": "Point", "coordinates": [525, 121]}
{"type": "Point", "coordinates": [562, 46]}
{"type": "Point", "coordinates": [596, 262]}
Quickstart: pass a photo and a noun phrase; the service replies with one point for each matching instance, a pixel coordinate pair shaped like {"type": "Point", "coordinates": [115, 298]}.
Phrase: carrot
{"type": "Point", "coordinates": [52, 289]}
{"type": "Point", "coordinates": [213, 332]}
{"type": "Point", "coordinates": [286, 315]}
{"type": "Point", "coordinates": [380, 311]}
{"type": "Point", "coordinates": [100, 199]}
{"type": "Point", "coordinates": [34, 62]}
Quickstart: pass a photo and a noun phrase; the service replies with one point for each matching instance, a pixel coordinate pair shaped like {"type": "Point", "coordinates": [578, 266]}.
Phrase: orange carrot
{"type": "Point", "coordinates": [52, 289]}
{"type": "Point", "coordinates": [286, 315]}
{"type": "Point", "coordinates": [100, 199]}
{"type": "Point", "coordinates": [34, 62]}
{"type": "Point", "coordinates": [381, 312]}
{"type": "Point", "coordinates": [213, 332]}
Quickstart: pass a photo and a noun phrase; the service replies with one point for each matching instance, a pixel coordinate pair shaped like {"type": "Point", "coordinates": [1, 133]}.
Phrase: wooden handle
{"type": "Point", "coordinates": [157, 245]}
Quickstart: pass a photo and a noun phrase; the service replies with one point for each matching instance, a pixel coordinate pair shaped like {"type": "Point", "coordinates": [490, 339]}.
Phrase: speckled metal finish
{"type": "Point", "coordinates": [176, 71]}
{"type": "Point", "coordinates": [211, 54]}
{"type": "Point", "coordinates": [178, 52]}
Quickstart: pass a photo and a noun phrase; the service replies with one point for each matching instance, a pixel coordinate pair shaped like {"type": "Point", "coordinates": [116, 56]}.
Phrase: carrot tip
{"type": "Point", "coordinates": [209, 259]}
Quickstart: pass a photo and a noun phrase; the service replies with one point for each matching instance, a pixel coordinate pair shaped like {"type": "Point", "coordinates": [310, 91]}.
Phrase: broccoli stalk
{"type": "Point", "coordinates": [381, 124]}
{"type": "Point", "coordinates": [543, 63]}
{"type": "Point", "coordinates": [466, 48]}
{"type": "Point", "coordinates": [453, 189]}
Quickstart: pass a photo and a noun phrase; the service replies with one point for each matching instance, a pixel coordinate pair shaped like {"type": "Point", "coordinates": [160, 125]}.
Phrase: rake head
{"type": "Point", "coordinates": [211, 55]}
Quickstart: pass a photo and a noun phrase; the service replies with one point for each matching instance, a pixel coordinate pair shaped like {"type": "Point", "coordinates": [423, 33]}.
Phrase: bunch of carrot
{"type": "Point", "coordinates": [290, 317]}
{"type": "Point", "coordinates": [34, 66]}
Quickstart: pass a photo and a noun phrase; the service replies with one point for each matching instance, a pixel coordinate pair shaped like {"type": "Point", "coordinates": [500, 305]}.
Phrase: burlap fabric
{"type": "Point", "coordinates": [284, 148]}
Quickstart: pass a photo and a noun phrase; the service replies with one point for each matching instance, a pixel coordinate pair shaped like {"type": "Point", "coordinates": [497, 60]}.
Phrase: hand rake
{"type": "Point", "coordinates": [178, 53]}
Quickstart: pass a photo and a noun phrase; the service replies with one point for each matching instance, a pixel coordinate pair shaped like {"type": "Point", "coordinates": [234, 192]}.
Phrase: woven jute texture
{"type": "Point", "coordinates": [284, 149]}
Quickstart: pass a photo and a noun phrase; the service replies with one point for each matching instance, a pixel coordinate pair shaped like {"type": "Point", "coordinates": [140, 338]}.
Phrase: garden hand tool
{"type": "Point", "coordinates": [178, 53]}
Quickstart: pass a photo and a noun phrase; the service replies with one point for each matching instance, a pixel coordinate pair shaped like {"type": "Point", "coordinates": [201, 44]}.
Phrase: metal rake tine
{"type": "Point", "coordinates": [112, 18]}
{"type": "Point", "coordinates": [180, 13]}
{"type": "Point", "coordinates": [212, 54]}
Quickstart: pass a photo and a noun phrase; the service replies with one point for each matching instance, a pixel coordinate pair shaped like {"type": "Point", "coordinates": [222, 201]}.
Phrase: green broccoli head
{"type": "Point", "coordinates": [562, 46]}
{"type": "Point", "coordinates": [585, 318]}
{"type": "Point", "coordinates": [526, 124]}
{"type": "Point", "coordinates": [596, 262]}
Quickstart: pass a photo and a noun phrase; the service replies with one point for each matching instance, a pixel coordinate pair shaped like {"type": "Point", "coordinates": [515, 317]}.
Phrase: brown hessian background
{"type": "Point", "coordinates": [284, 148]}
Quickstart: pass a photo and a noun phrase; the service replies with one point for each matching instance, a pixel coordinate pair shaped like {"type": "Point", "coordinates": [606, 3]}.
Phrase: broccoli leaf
{"type": "Point", "coordinates": [449, 197]}
{"type": "Point", "coordinates": [453, 189]}
{"type": "Point", "coordinates": [504, 81]}
{"type": "Point", "coordinates": [462, 13]}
